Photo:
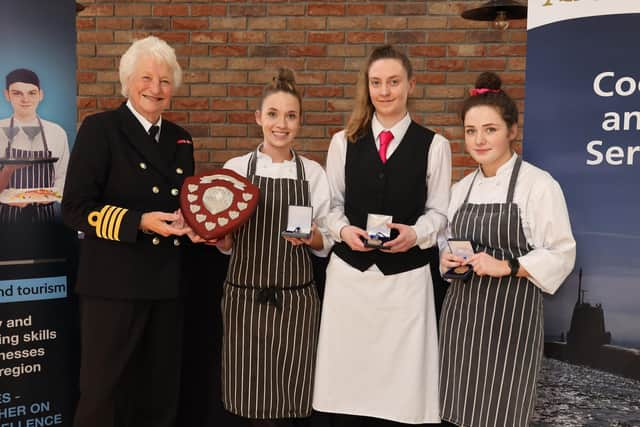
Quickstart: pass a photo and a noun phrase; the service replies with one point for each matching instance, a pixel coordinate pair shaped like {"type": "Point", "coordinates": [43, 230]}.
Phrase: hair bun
{"type": "Point", "coordinates": [489, 80]}
{"type": "Point", "coordinates": [285, 79]}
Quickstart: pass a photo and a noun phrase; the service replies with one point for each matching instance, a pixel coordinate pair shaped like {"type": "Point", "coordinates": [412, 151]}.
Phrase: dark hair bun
{"type": "Point", "coordinates": [488, 80]}
{"type": "Point", "coordinates": [285, 79]}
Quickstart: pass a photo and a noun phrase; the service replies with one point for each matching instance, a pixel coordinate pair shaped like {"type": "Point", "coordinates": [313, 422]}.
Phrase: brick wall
{"type": "Point", "coordinates": [229, 49]}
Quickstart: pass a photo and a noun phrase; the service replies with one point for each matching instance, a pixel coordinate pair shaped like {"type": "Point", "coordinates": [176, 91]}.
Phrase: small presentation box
{"type": "Point", "coordinates": [299, 220]}
{"type": "Point", "coordinates": [464, 250]}
{"type": "Point", "coordinates": [377, 230]}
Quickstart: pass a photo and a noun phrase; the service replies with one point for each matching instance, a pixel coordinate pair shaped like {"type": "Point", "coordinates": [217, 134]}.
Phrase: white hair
{"type": "Point", "coordinates": [149, 46]}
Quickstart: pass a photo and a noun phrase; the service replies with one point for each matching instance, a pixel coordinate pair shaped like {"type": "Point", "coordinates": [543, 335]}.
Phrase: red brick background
{"type": "Point", "coordinates": [229, 49]}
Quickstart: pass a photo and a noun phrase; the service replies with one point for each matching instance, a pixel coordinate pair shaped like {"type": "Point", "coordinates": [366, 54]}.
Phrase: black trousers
{"type": "Point", "coordinates": [130, 362]}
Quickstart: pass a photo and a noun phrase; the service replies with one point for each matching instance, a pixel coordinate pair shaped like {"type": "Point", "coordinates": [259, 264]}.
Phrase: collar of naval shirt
{"type": "Point", "coordinates": [146, 124]}
{"type": "Point", "coordinates": [398, 130]}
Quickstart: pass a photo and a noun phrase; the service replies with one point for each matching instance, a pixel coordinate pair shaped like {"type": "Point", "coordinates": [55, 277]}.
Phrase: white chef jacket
{"type": "Point", "coordinates": [314, 174]}
{"type": "Point", "coordinates": [544, 215]}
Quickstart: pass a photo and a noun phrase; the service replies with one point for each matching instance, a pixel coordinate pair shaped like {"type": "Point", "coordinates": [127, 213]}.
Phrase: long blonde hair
{"type": "Point", "coordinates": [360, 119]}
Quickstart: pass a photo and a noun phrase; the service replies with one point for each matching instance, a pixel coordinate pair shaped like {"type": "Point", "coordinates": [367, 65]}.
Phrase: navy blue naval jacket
{"type": "Point", "coordinates": [116, 173]}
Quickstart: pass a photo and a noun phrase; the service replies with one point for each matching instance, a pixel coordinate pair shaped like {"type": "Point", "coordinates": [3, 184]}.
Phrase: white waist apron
{"type": "Point", "coordinates": [378, 349]}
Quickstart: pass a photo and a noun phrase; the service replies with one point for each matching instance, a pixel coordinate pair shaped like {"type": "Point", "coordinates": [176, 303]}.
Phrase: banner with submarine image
{"type": "Point", "coordinates": [582, 125]}
{"type": "Point", "coordinates": [39, 353]}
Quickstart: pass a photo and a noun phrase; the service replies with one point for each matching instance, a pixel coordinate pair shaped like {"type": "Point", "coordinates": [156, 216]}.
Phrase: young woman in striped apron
{"type": "Point", "coordinates": [515, 216]}
{"type": "Point", "coordinates": [271, 310]}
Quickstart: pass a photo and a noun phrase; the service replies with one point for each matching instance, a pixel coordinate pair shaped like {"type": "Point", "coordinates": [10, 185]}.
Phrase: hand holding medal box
{"type": "Point", "coordinates": [299, 219]}
{"type": "Point", "coordinates": [378, 230]}
{"type": "Point", "coordinates": [217, 202]}
{"type": "Point", "coordinates": [464, 250]}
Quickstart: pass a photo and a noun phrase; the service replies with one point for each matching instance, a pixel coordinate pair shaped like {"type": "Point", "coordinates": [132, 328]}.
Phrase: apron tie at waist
{"type": "Point", "coordinates": [271, 294]}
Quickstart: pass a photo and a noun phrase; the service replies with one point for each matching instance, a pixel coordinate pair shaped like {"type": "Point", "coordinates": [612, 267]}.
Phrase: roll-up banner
{"type": "Point", "coordinates": [38, 332]}
{"type": "Point", "coordinates": [582, 124]}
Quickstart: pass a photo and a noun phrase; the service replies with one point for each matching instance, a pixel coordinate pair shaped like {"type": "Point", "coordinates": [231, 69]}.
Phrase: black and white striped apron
{"type": "Point", "coordinates": [38, 175]}
{"type": "Point", "coordinates": [491, 329]}
{"type": "Point", "coordinates": [270, 309]}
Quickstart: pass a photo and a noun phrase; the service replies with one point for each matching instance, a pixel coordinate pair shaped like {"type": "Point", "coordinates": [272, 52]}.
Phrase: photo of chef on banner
{"type": "Point", "coordinates": [34, 153]}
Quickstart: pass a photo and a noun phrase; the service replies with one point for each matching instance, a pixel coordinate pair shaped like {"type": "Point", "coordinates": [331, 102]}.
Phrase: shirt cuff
{"type": "Point", "coordinates": [326, 247]}
{"type": "Point", "coordinates": [336, 228]}
{"type": "Point", "coordinates": [229, 252]}
{"type": "Point", "coordinates": [546, 284]}
{"type": "Point", "coordinates": [423, 239]}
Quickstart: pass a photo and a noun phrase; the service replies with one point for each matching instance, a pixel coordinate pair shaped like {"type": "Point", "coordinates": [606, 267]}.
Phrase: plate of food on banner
{"type": "Point", "coordinates": [30, 195]}
{"type": "Point", "coordinates": [27, 160]}
{"type": "Point", "coordinates": [217, 202]}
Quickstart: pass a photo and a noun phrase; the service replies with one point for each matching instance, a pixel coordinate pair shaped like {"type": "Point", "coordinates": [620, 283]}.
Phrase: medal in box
{"type": "Point", "coordinates": [217, 202]}
{"type": "Point", "coordinates": [377, 230]}
{"type": "Point", "coordinates": [464, 250]}
{"type": "Point", "coordinates": [299, 220]}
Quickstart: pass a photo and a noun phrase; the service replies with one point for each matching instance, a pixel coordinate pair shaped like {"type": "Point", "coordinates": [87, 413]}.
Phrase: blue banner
{"type": "Point", "coordinates": [38, 315]}
{"type": "Point", "coordinates": [38, 289]}
{"type": "Point", "coordinates": [582, 123]}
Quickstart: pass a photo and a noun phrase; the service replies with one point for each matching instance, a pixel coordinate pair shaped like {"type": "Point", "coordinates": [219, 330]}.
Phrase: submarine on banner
{"type": "Point", "coordinates": [588, 342]}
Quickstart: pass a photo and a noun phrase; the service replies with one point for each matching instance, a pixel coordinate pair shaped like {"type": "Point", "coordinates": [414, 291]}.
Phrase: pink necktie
{"type": "Point", "coordinates": [385, 138]}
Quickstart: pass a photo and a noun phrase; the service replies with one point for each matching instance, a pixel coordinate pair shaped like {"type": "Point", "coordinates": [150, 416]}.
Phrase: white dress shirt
{"type": "Point", "coordinates": [314, 174]}
{"type": "Point", "coordinates": [438, 181]}
{"type": "Point", "coordinates": [544, 216]}
{"type": "Point", "coordinates": [146, 124]}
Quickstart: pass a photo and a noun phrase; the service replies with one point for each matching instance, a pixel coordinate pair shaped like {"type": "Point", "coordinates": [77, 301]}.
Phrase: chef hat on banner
{"type": "Point", "coordinates": [22, 75]}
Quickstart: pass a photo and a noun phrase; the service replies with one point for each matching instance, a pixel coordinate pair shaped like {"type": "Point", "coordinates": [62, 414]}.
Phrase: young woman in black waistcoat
{"type": "Point", "coordinates": [378, 354]}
